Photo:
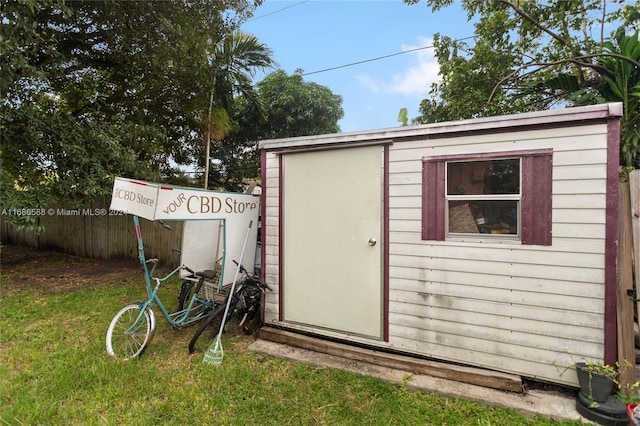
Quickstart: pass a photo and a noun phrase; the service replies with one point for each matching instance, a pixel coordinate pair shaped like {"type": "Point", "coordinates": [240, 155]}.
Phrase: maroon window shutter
{"type": "Point", "coordinates": [433, 199]}
{"type": "Point", "coordinates": [536, 199]}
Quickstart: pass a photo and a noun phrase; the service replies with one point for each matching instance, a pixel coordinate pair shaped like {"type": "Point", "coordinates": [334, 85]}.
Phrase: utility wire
{"type": "Point", "coordinates": [377, 58]}
{"type": "Point", "coordinates": [352, 63]}
{"type": "Point", "coordinates": [277, 11]}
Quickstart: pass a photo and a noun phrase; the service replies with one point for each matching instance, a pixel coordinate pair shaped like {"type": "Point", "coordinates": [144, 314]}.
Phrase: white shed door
{"type": "Point", "coordinates": [332, 203]}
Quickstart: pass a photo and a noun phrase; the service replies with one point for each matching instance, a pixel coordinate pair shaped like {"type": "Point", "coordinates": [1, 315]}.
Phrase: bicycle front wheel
{"type": "Point", "coordinates": [128, 335]}
{"type": "Point", "coordinates": [212, 322]}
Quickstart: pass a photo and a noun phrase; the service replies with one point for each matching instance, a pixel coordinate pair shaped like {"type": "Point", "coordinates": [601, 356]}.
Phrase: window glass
{"type": "Point", "coordinates": [483, 197]}
{"type": "Point", "coordinates": [483, 177]}
{"type": "Point", "coordinates": [497, 217]}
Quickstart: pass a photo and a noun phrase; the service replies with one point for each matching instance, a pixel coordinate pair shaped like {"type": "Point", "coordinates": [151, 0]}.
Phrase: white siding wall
{"type": "Point", "coordinates": [501, 305]}
{"type": "Point", "coordinates": [506, 306]}
{"type": "Point", "coordinates": [272, 235]}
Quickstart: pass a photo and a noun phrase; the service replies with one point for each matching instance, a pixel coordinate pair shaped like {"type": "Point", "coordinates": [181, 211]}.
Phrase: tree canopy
{"type": "Point", "coordinates": [94, 89]}
{"type": "Point", "coordinates": [535, 55]}
{"type": "Point", "coordinates": [287, 106]}
{"type": "Point", "coordinates": [298, 108]}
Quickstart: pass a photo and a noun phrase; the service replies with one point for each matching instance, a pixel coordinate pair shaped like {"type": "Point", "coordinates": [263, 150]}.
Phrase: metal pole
{"type": "Point", "coordinates": [208, 144]}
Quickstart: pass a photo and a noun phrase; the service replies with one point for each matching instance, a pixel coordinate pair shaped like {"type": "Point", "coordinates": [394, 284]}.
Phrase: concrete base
{"type": "Point", "coordinates": [548, 404]}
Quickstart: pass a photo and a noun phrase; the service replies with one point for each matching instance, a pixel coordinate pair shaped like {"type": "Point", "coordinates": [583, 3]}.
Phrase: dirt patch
{"type": "Point", "coordinates": [56, 272]}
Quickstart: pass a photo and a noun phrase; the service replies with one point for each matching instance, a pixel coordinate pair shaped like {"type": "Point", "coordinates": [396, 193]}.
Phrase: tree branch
{"type": "Point", "coordinates": [604, 15]}
{"type": "Point", "coordinates": [529, 18]}
{"type": "Point", "coordinates": [576, 60]}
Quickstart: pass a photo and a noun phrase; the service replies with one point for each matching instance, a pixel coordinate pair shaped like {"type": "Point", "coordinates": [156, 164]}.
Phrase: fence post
{"type": "Point", "coordinates": [634, 189]}
{"type": "Point", "coordinates": [626, 337]}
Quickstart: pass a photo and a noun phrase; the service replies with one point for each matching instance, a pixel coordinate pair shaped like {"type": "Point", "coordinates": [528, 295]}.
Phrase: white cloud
{"type": "Point", "coordinates": [369, 82]}
{"type": "Point", "coordinates": [415, 80]}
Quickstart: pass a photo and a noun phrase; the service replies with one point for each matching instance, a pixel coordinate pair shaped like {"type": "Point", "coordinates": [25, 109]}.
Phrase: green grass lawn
{"type": "Point", "coordinates": [54, 370]}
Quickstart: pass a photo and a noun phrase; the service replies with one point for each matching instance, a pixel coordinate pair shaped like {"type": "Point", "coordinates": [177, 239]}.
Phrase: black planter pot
{"type": "Point", "coordinates": [597, 387]}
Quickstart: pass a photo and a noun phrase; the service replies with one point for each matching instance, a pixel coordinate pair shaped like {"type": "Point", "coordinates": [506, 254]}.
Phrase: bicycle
{"type": "Point", "coordinates": [245, 304]}
{"type": "Point", "coordinates": [133, 327]}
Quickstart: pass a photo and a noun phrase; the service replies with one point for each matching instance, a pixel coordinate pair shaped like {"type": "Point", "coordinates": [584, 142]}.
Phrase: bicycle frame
{"type": "Point", "coordinates": [176, 319]}
{"type": "Point", "coordinates": [132, 327]}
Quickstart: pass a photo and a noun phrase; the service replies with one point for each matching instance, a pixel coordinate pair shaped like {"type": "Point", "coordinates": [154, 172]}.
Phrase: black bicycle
{"type": "Point", "coordinates": [245, 305]}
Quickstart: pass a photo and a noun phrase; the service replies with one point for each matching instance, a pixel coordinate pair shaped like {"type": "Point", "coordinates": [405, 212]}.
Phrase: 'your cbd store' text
{"type": "Point", "coordinates": [209, 204]}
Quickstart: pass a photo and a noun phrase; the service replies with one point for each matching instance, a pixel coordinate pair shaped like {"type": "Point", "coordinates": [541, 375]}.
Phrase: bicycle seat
{"type": "Point", "coordinates": [207, 274]}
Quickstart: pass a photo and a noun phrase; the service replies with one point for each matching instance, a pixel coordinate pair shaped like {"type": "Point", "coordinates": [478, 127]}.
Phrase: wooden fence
{"type": "Point", "coordinates": [94, 231]}
{"type": "Point", "coordinates": [627, 291]}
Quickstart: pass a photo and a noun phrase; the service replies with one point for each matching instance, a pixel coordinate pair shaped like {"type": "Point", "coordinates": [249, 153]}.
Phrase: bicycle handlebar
{"type": "Point", "coordinates": [188, 269]}
{"type": "Point", "coordinates": [242, 268]}
{"type": "Point", "coordinates": [244, 271]}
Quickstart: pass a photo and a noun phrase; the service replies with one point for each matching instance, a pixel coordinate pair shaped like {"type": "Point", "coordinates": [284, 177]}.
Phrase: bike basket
{"type": "Point", "coordinates": [208, 291]}
{"type": "Point", "coordinates": [209, 287]}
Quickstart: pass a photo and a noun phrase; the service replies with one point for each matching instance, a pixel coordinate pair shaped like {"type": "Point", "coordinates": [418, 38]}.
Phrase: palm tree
{"type": "Point", "coordinates": [623, 85]}
{"type": "Point", "coordinates": [233, 65]}
{"type": "Point", "coordinates": [617, 79]}
{"type": "Point", "coordinates": [609, 75]}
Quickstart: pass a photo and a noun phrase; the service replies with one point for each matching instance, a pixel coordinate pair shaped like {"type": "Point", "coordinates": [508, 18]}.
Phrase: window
{"type": "Point", "coordinates": [483, 197]}
{"type": "Point", "coordinates": [492, 195]}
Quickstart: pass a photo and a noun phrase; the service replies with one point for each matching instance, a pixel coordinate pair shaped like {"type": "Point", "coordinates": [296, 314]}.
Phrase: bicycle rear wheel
{"type": "Point", "coordinates": [212, 323]}
{"type": "Point", "coordinates": [199, 307]}
{"type": "Point", "coordinates": [185, 294]}
{"type": "Point", "coordinates": [252, 323]}
{"type": "Point", "coordinates": [128, 336]}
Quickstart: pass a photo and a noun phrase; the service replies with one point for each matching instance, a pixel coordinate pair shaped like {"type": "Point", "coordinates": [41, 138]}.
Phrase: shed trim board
{"type": "Point", "coordinates": [489, 302]}
{"type": "Point", "coordinates": [565, 117]}
{"type": "Point", "coordinates": [611, 241]}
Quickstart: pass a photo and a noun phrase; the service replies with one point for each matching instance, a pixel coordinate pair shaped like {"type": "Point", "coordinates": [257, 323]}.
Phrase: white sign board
{"type": "Point", "coordinates": [166, 202]}
{"type": "Point", "coordinates": [155, 201]}
{"type": "Point", "coordinates": [135, 197]}
{"type": "Point", "coordinates": [203, 245]}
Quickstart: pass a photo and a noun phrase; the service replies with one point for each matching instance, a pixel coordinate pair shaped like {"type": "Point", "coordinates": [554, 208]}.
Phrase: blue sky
{"type": "Point", "coordinates": [314, 35]}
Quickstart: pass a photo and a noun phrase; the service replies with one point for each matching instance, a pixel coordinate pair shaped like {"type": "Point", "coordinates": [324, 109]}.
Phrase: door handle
{"type": "Point", "coordinates": [372, 241]}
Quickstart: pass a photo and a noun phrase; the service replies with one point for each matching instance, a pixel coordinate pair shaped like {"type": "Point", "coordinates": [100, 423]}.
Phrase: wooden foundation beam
{"type": "Point", "coordinates": [476, 376]}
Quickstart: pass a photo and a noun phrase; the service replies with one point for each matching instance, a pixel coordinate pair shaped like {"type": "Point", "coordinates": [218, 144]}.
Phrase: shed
{"type": "Point", "coordinates": [488, 242]}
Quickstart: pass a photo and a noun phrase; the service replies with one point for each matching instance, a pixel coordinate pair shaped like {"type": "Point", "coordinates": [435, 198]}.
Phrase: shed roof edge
{"type": "Point", "coordinates": [538, 118]}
